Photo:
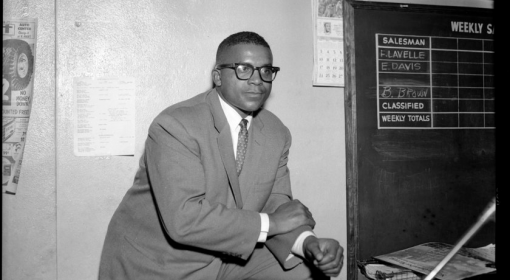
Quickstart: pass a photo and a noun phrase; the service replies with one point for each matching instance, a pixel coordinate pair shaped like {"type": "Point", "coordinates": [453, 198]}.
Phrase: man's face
{"type": "Point", "coordinates": [245, 96]}
{"type": "Point", "coordinates": [328, 26]}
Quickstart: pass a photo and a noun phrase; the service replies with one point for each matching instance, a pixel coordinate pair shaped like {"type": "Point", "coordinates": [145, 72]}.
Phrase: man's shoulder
{"type": "Point", "coordinates": [192, 108]}
{"type": "Point", "coordinates": [272, 122]}
{"type": "Point", "coordinates": [196, 102]}
{"type": "Point", "coordinates": [266, 115]}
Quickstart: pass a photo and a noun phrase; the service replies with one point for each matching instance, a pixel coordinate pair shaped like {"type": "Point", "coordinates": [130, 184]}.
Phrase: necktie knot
{"type": "Point", "coordinates": [243, 124]}
{"type": "Point", "coordinates": [242, 144]}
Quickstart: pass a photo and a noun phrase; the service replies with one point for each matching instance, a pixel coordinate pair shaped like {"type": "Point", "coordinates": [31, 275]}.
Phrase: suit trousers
{"type": "Point", "coordinates": [262, 265]}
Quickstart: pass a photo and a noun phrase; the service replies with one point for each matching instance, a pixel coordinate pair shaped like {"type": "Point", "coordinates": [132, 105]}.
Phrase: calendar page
{"type": "Point", "coordinates": [328, 43]}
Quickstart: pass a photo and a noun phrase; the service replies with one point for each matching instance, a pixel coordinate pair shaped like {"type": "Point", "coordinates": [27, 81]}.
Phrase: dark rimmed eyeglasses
{"type": "Point", "coordinates": [244, 71]}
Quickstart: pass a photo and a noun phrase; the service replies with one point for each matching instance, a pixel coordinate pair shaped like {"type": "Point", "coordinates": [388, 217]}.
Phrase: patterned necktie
{"type": "Point", "coordinates": [242, 144]}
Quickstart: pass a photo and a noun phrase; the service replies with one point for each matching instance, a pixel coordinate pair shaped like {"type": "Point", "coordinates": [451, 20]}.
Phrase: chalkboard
{"type": "Point", "coordinates": [420, 125]}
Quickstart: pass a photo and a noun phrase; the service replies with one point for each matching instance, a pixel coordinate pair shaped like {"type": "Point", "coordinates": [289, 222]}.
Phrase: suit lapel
{"type": "Point", "coordinates": [225, 145]}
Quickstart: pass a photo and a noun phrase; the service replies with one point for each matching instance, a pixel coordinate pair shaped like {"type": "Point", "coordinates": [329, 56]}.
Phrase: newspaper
{"type": "Point", "coordinates": [423, 258]}
{"type": "Point", "coordinates": [328, 44]}
{"type": "Point", "coordinates": [19, 41]}
{"type": "Point", "coordinates": [374, 269]}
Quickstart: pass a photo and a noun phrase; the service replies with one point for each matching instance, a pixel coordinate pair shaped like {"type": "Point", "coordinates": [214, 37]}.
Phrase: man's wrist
{"type": "Point", "coordinates": [299, 244]}
{"type": "Point", "coordinates": [307, 240]}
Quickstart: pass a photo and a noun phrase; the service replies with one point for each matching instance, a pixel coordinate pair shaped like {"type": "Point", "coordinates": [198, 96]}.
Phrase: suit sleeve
{"type": "Point", "coordinates": [178, 183]}
{"type": "Point", "coordinates": [281, 245]}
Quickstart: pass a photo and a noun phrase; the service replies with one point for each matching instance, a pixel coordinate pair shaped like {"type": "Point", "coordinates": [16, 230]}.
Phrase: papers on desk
{"type": "Point", "coordinates": [416, 262]}
{"type": "Point", "coordinates": [376, 270]}
{"type": "Point", "coordinates": [487, 253]}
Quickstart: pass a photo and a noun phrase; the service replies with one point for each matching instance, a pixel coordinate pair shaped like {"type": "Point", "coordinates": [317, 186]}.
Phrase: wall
{"type": "Point", "coordinates": [29, 236]}
{"type": "Point", "coordinates": [54, 227]}
{"type": "Point", "coordinates": [169, 47]}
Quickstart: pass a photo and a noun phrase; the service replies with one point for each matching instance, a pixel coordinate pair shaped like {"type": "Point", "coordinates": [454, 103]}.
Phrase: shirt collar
{"type": "Point", "coordinates": [232, 115]}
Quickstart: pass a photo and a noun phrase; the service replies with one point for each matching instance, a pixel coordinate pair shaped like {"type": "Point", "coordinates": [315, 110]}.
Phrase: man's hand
{"type": "Point", "coordinates": [288, 217]}
{"type": "Point", "coordinates": [325, 254]}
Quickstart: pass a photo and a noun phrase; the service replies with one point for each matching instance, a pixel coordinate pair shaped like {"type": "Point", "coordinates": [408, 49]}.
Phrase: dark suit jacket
{"type": "Point", "coordinates": [187, 208]}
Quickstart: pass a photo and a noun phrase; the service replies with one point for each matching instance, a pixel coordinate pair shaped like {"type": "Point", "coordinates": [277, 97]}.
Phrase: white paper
{"type": "Point", "coordinates": [488, 252]}
{"type": "Point", "coordinates": [104, 119]}
{"type": "Point", "coordinates": [373, 270]}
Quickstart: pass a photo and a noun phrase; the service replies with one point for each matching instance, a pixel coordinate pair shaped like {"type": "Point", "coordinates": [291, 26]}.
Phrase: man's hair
{"type": "Point", "coordinates": [244, 37]}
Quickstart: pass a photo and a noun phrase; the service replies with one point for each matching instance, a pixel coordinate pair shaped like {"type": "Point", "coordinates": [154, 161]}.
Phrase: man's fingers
{"type": "Point", "coordinates": [332, 269]}
{"type": "Point", "coordinates": [328, 257]}
{"type": "Point", "coordinates": [331, 255]}
{"type": "Point", "coordinates": [329, 262]}
{"type": "Point", "coordinates": [332, 273]}
{"type": "Point", "coordinates": [332, 263]}
{"type": "Point", "coordinates": [316, 252]}
{"type": "Point", "coordinates": [311, 222]}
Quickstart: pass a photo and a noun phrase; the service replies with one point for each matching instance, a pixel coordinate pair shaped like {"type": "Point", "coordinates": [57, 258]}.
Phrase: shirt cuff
{"type": "Point", "coordinates": [264, 227]}
{"type": "Point", "coordinates": [297, 248]}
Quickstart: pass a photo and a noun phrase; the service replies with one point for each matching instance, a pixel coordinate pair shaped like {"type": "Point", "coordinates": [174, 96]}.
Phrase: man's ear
{"type": "Point", "coordinates": [216, 75]}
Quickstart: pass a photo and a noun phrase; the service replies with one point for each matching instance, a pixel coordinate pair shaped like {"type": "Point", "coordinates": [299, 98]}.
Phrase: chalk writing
{"type": "Point", "coordinates": [429, 82]}
{"type": "Point", "coordinates": [403, 54]}
{"type": "Point", "coordinates": [404, 92]}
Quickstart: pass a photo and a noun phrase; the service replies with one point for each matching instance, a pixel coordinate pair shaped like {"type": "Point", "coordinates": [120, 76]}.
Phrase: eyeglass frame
{"type": "Point", "coordinates": [235, 65]}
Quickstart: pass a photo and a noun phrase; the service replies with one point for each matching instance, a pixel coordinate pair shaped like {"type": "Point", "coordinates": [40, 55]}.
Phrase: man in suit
{"type": "Point", "coordinates": [212, 197]}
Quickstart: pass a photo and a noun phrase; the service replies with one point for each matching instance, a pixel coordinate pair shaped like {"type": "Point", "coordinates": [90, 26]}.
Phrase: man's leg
{"type": "Point", "coordinates": [263, 266]}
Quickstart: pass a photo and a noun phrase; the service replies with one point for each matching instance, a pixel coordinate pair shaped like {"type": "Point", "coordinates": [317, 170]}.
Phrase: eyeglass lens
{"type": "Point", "coordinates": [246, 71]}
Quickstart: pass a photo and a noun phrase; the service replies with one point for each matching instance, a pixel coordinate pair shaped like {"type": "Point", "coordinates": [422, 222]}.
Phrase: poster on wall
{"type": "Point", "coordinates": [328, 43]}
{"type": "Point", "coordinates": [19, 42]}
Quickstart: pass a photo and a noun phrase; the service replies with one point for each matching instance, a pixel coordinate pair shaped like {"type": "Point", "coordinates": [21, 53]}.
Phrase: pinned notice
{"type": "Point", "coordinates": [104, 122]}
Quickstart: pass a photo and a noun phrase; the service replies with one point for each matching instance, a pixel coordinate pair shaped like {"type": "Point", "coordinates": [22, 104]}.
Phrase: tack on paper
{"type": "Point", "coordinates": [104, 116]}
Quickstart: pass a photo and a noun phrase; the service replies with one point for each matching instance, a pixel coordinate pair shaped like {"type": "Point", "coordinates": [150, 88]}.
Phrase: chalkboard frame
{"type": "Point", "coordinates": [351, 121]}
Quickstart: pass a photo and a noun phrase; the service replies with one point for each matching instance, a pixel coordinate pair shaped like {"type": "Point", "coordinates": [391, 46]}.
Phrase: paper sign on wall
{"type": "Point", "coordinates": [104, 116]}
{"type": "Point", "coordinates": [328, 68]}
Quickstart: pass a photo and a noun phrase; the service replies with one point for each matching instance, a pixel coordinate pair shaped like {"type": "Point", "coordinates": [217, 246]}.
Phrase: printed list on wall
{"type": "Point", "coordinates": [104, 116]}
{"type": "Point", "coordinates": [428, 82]}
